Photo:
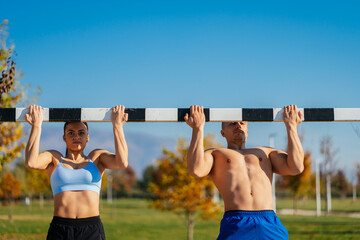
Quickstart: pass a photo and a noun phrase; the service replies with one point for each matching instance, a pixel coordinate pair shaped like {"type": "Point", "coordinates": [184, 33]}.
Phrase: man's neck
{"type": "Point", "coordinates": [236, 145]}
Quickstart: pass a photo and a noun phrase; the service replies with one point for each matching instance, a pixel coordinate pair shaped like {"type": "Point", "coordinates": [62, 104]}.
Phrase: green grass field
{"type": "Point", "coordinates": [338, 205]}
{"type": "Point", "coordinates": [130, 219]}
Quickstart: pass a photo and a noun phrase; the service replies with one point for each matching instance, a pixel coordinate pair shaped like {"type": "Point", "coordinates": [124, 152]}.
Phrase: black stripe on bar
{"type": "Point", "coordinates": [319, 114]}
{"type": "Point", "coordinates": [258, 114]}
{"type": "Point", "coordinates": [207, 114]}
{"type": "Point", "coordinates": [7, 114]}
{"type": "Point", "coordinates": [183, 111]}
{"type": "Point", "coordinates": [64, 114]}
{"type": "Point", "coordinates": [135, 114]}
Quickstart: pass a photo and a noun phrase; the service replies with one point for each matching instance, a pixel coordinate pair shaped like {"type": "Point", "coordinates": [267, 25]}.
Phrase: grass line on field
{"type": "Point", "coordinates": [26, 217]}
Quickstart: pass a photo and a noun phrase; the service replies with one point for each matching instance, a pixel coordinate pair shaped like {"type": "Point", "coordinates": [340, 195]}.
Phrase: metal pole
{"type": "Point", "coordinates": [109, 189]}
{"type": "Point", "coordinates": [318, 196]}
{"type": "Point", "coordinates": [272, 145]}
{"type": "Point", "coordinates": [328, 187]}
{"type": "Point", "coordinates": [354, 191]}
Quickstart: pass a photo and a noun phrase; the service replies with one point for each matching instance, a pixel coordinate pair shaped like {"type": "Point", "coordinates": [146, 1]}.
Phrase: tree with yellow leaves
{"type": "Point", "coordinates": [37, 182]}
{"type": "Point", "coordinates": [300, 185]}
{"type": "Point", "coordinates": [7, 65]}
{"type": "Point", "coordinates": [177, 191]}
{"type": "Point", "coordinates": [10, 189]}
{"type": "Point", "coordinates": [11, 94]}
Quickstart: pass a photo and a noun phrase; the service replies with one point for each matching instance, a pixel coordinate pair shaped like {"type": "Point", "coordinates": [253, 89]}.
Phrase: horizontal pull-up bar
{"type": "Point", "coordinates": [177, 114]}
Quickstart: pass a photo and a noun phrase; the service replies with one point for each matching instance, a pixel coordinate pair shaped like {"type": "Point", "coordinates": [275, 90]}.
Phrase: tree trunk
{"type": "Point", "coordinates": [190, 225]}
{"type": "Point", "coordinates": [41, 202]}
{"type": "Point", "coordinates": [10, 211]}
{"type": "Point", "coordinates": [109, 190]}
{"type": "Point", "coordinates": [295, 204]}
{"type": "Point", "coordinates": [354, 192]}
{"type": "Point", "coordinates": [328, 193]}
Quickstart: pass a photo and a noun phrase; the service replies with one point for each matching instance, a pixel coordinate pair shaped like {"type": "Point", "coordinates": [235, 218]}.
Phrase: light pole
{"type": "Point", "coordinates": [318, 196]}
{"type": "Point", "coordinates": [109, 189]}
{"type": "Point", "coordinates": [272, 145]}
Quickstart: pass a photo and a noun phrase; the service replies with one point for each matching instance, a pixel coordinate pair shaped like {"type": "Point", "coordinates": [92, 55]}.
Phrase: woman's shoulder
{"type": "Point", "coordinates": [53, 153]}
{"type": "Point", "coordinates": [96, 153]}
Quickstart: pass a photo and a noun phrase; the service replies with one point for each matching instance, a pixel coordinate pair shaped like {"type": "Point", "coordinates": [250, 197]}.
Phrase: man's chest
{"type": "Point", "coordinates": [253, 159]}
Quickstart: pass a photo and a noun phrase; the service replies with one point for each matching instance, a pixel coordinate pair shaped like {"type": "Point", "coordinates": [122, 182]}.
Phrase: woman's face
{"type": "Point", "coordinates": [76, 136]}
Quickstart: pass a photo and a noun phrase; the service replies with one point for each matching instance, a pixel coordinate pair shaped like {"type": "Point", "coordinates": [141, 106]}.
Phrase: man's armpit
{"type": "Point", "coordinates": [210, 149]}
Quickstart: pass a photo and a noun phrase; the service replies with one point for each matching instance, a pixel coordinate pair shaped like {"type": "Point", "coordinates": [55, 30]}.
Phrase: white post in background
{"type": "Point", "coordinates": [354, 191]}
{"type": "Point", "coordinates": [216, 197]}
{"type": "Point", "coordinates": [318, 196]}
{"type": "Point", "coordinates": [109, 188]}
{"type": "Point", "coordinates": [272, 145]}
{"type": "Point", "coordinates": [328, 187]}
{"type": "Point", "coordinates": [355, 179]}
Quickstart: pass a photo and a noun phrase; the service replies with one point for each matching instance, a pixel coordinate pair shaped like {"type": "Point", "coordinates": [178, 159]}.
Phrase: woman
{"type": "Point", "coordinates": [76, 178]}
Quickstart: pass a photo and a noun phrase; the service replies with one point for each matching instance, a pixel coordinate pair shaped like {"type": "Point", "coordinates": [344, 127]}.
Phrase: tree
{"type": "Point", "coordinates": [329, 153]}
{"type": "Point", "coordinates": [118, 183]}
{"type": "Point", "coordinates": [300, 185]}
{"type": "Point", "coordinates": [148, 176]}
{"type": "Point", "coordinates": [357, 188]}
{"type": "Point", "coordinates": [11, 133]}
{"type": "Point", "coordinates": [37, 182]}
{"type": "Point", "coordinates": [11, 94]}
{"type": "Point", "coordinates": [10, 189]}
{"type": "Point", "coordinates": [340, 183]}
{"type": "Point", "coordinates": [7, 65]}
{"type": "Point", "coordinates": [123, 181]}
{"type": "Point", "coordinates": [177, 191]}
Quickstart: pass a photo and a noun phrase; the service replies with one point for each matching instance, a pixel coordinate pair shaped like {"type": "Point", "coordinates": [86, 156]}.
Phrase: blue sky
{"type": "Point", "coordinates": [179, 53]}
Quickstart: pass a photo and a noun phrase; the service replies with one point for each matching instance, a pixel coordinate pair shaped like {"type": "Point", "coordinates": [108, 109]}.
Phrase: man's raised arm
{"type": "Point", "coordinates": [199, 163]}
{"type": "Point", "coordinates": [293, 162]}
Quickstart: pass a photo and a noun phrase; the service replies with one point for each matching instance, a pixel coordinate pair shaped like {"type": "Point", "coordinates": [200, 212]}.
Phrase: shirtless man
{"type": "Point", "coordinates": [243, 176]}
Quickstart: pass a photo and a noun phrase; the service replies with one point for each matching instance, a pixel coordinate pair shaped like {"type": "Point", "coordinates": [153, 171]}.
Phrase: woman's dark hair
{"type": "Point", "coordinates": [67, 123]}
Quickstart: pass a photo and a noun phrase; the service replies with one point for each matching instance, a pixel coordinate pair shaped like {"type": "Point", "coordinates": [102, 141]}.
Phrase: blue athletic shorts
{"type": "Point", "coordinates": [251, 225]}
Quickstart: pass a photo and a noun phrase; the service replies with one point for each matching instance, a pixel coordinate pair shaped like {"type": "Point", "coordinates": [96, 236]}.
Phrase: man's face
{"type": "Point", "coordinates": [235, 131]}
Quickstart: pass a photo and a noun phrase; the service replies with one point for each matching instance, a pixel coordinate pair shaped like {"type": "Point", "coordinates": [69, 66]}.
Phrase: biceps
{"type": "Point", "coordinates": [279, 163]}
{"type": "Point", "coordinates": [43, 160]}
{"type": "Point", "coordinates": [209, 160]}
{"type": "Point", "coordinates": [108, 160]}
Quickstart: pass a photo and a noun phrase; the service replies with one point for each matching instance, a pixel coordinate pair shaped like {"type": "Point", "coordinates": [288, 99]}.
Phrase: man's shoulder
{"type": "Point", "coordinates": [263, 148]}
{"type": "Point", "coordinates": [210, 150]}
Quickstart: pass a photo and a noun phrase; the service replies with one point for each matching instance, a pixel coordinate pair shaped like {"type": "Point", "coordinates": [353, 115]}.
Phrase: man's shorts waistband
{"type": "Point", "coordinates": [249, 213]}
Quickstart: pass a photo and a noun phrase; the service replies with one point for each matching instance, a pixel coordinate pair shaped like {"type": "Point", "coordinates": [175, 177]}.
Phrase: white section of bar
{"type": "Point", "coordinates": [21, 112]}
{"type": "Point", "coordinates": [347, 114]}
{"type": "Point", "coordinates": [225, 114]}
{"type": "Point", "coordinates": [278, 114]}
{"type": "Point", "coordinates": [46, 114]}
{"type": "Point", "coordinates": [161, 115]}
{"type": "Point", "coordinates": [96, 114]}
